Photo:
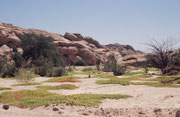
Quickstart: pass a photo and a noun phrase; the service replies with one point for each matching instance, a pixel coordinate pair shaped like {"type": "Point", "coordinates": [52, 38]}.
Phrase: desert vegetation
{"type": "Point", "coordinates": [39, 56]}
{"type": "Point", "coordinates": [163, 57]}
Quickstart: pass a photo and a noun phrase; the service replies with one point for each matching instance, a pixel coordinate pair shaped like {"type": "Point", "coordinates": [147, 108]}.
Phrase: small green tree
{"type": "Point", "coordinates": [110, 64]}
{"type": "Point", "coordinates": [35, 46]}
{"type": "Point", "coordinates": [18, 59]}
{"type": "Point", "coordinates": [98, 62]}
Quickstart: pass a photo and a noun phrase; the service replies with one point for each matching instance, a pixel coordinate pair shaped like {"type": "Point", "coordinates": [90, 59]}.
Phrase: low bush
{"type": "Point", "coordinates": [7, 69]}
{"type": "Point", "coordinates": [98, 62]}
{"type": "Point", "coordinates": [24, 75]}
{"type": "Point", "coordinates": [80, 62]}
{"type": "Point", "coordinates": [110, 64]}
{"type": "Point", "coordinates": [171, 70]}
{"type": "Point", "coordinates": [18, 59]}
{"type": "Point", "coordinates": [44, 68]}
{"type": "Point", "coordinates": [58, 72]}
{"type": "Point", "coordinates": [108, 67]}
{"type": "Point", "coordinates": [119, 70]}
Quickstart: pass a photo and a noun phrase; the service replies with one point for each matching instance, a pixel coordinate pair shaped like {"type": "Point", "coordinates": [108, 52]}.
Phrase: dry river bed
{"type": "Point", "coordinates": [146, 101]}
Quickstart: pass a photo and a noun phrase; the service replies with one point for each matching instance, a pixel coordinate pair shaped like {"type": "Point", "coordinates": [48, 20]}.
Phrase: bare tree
{"type": "Point", "coordinates": [161, 53]}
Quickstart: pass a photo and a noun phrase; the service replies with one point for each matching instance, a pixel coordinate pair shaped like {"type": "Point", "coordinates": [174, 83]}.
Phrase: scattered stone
{"type": "Point", "coordinates": [55, 109]}
{"type": "Point", "coordinates": [157, 110]}
{"type": "Point", "coordinates": [46, 105]}
{"type": "Point", "coordinates": [178, 113]}
{"type": "Point", "coordinates": [90, 111]}
{"type": "Point", "coordinates": [5, 107]}
{"type": "Point", "coordinates": [60, 112]}
{"type": "Point", "coordinates": [141, 112]}
{"type": "Point", "coordinates": [85, 113]}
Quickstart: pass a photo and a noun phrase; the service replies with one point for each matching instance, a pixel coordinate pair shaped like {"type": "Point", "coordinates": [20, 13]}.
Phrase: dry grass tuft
{"type": "Point", "coordinates": [68, 80]}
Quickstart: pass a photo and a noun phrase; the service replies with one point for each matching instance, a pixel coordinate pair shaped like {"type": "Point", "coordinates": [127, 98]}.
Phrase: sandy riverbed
{"type": "Point", "coordinates": [146, 101]}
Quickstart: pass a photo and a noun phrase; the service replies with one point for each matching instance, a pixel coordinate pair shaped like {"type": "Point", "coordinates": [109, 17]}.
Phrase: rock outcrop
{"type": "Point", "coordinates": [5, 52]}
{"type": "Point", "coordinates": [72, 46]}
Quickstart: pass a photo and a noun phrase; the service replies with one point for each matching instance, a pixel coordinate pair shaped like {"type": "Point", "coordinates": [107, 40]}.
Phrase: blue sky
{"type": "Point", "coordinates": [130, 22]}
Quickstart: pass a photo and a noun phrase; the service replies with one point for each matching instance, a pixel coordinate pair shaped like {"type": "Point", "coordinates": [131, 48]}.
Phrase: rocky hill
{"type": "Point", "coordinates": [71, 46]}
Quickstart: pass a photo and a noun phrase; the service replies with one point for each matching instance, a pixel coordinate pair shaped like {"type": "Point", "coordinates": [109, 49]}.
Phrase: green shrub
{"type": "Point", "coordinates": [7, 69]}
{"type": "Point", "coordinates": [58, 72]}
{"type": "Point", "coordinates": [18, 59]}
{"type": "Point", "coordinates": [80, 62]}
{"type": "Point", "coordinates": [44, 70]}
{"type": "Point", "coordinates": [110, 64]}
{"type": "Point", "coordinates": [24, 75]}
{"type": "Point", "coordinates": [119, 70]}
{"type": "Point", "coordinates": [98, 62]}
{"type": "Point", "coordinates": [108, 67]}
{"type": "Point", "coordinates": [175, 59]}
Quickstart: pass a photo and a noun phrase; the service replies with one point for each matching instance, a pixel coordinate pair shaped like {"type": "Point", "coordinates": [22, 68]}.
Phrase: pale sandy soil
{"type": "Point", "coordinates": [146, 101]}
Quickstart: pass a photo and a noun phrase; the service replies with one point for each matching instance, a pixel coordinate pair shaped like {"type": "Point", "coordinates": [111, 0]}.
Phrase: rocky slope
{"type": "Point", "coordinates": [72, 46]}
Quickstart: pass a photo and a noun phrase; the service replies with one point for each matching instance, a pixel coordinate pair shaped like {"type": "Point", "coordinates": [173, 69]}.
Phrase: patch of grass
{"type": "Point", "coordinates": [68, 80]}
{"type": "Point", "coordinates": [133, 73]}
{"type": "Point", "coordinates": [154, 84]}
{"type": "Point", "coordinates": [63, 86]}
{"type": "Point", "coordinates": [62, 79]}
{"type": "Point", "coordinates": [93, 100]}
{"type": "Point", "coordinates": [113, 81]}
{"type": "Point", "coordinates": [122, 81]}
{"type": "Point", "coordinates": [24, 75]}
{"type": "Point", "coordinates": [129, 79]}
{"type": "Point", "coordinates": [152, 69]}
{"type": "Point", "coordinates": [89, 71]}
{"type": "Point", "coordinates": [26, 84]}
{"type": "Point", "coordinates": [134, 68]}
{"type": "Point", "coordinates": [165, 78]}
{"type": "Point", "coordinates": [4, 88]}
{"type": "Point", "coordinates": [35, 75]}
{"type": "Point", "coordinates": [35, 98]}
{"type": "Point", "coordinates": [104, 76]}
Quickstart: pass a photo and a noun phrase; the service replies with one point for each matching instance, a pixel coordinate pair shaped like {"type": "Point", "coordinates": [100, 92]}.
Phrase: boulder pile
{"type": "Point", "coordinates": [72, 46]}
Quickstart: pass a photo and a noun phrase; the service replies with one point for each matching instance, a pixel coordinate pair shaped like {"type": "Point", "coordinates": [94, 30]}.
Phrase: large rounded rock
{"type": "Point", "coordinates": [92, 41]}
{"type": "Point", "coordinates": [5, 50]}
{"type": "Point", "coordinates": [69, 50]}
{"type": "Point", "coordinates": [72, 51]}
{"type": "Point", "coordinates": [79, 36]}
{"type": "Point", "coordinates": [88, 56]}
{"type": "Point", "coordinates": [9, 38]}
{"type": "Point", "coordinates": [71, 37]}
{"type": "Point", "coordinates": [73, 58]}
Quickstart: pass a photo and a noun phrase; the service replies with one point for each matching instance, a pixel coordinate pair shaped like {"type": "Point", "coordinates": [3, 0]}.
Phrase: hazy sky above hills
{"type": "Point", "coordinates": [130, 22]}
